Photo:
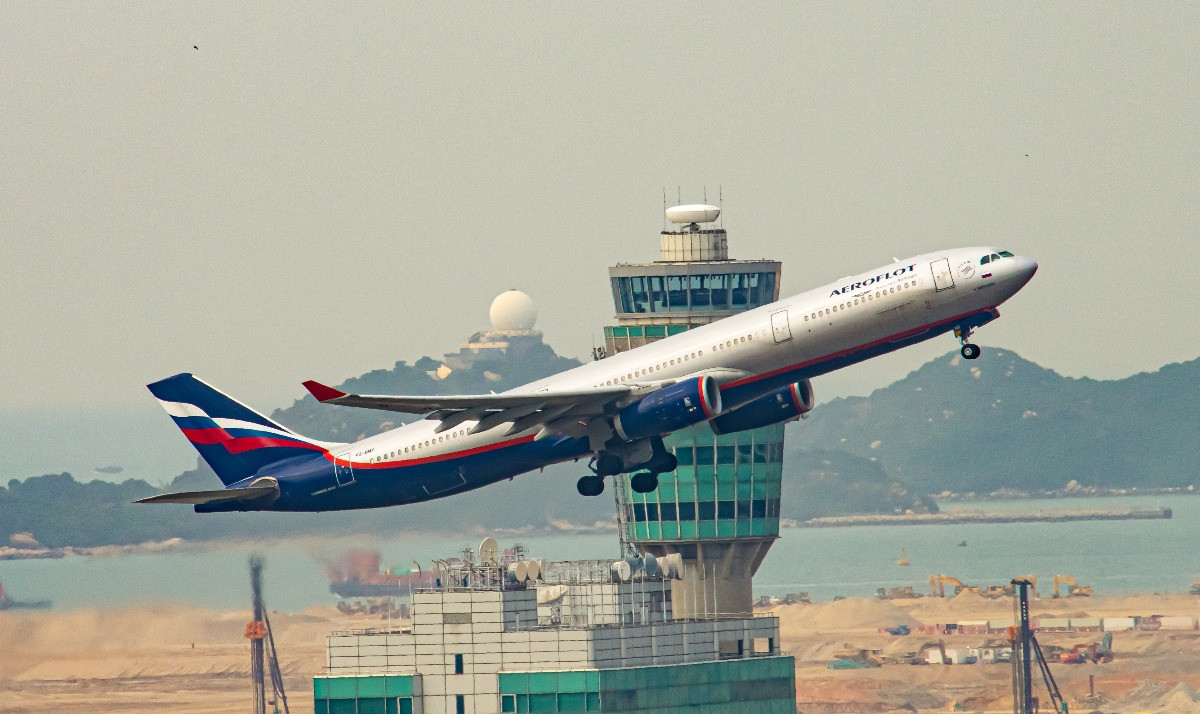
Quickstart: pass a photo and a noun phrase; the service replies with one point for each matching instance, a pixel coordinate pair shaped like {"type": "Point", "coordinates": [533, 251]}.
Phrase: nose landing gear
{"type": "Point", "coordinates": [968, 351]}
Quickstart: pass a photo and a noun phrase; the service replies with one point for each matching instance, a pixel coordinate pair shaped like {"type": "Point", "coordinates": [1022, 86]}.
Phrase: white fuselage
{"type": "Point", "coordinates": [821, 329]}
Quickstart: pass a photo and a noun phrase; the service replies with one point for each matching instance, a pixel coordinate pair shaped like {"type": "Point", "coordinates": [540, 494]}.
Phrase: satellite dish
{"type": "Point", "coordinates": [522, 571]}
{"type": "Point", "coordinates": [489, 552]}
{"type": "Point", "coordinates": [534, 568]}
{"type": "Point", "coordinates": [622, 571]}
{"type": "Point", "coordinates": [672, 565]}
{"type": "Point", "coordinates": [653, 570]}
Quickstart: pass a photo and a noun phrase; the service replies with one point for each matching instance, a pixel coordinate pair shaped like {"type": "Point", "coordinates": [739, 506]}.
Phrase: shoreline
{"type": "Point", "coordinates": [960, 517]}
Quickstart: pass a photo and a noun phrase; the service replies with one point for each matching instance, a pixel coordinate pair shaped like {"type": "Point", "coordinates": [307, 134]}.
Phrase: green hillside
{"type": "Point", "coordinates": [1002, 422]}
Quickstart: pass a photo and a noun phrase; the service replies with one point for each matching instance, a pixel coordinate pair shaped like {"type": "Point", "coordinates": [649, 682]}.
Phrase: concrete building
{"type": "Point", "coordinates": [720, 508]}
{"type": "Point", "coordinates": [483, 642]}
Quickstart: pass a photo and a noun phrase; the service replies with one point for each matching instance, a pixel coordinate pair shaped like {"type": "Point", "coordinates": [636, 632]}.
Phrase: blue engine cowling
{"type": "Point", "coordinates": [783, 404]}
{"type": "Point", "coordinates": [672, 407]}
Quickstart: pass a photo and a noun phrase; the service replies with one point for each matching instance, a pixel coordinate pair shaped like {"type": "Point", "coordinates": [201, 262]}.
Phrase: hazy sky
{"type": "Point", "coordinates": [262, 194]}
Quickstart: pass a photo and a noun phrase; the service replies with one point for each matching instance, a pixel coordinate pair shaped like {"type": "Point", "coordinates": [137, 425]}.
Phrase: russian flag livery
{"type": "Point", "coordinates": [236, 441]}
{"type": "Point", "coordinates": [737, 373]}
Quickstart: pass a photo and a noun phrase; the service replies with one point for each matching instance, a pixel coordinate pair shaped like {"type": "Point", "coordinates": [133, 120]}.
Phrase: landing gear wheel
{"type": "Point", "coordinates": [970, 351]}
{"type": "Point", "coordinates": [590, 486]}
{"type": "Point", "coordinates": [608, 465]}
{"type": "Point", "coordinates": [643, 482]}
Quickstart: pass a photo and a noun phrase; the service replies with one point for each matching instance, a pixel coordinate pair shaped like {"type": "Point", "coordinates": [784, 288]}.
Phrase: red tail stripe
{"type": "Point", "coordinates": [250, 443]}
{"type": "Point", "coordinates": [210, 435]}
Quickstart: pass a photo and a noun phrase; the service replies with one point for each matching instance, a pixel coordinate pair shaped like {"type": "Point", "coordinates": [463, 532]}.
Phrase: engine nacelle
{"type": "Point", "coordinates": [783, 404]}
{"type": "Point", "coordinates": [672, 407]}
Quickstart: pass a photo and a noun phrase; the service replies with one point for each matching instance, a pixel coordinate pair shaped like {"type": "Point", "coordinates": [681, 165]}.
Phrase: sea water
{"type": "Point", "coordinates": [1112, 556]}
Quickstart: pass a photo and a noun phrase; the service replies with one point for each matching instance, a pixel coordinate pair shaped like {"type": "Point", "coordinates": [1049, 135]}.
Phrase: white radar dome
{"type": "Point", "coordinates": [693, 213]}
{"type": "Point", "coordinates": [513, 310]}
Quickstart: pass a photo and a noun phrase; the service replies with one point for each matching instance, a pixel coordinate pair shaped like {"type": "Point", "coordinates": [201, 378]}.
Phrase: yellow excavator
{"type": "Point", "coordinates": [920, 657]}
{"type": "Point", "coordinates": [938, 583]}
{"type": "Point", "coordinates": [1074, 589]}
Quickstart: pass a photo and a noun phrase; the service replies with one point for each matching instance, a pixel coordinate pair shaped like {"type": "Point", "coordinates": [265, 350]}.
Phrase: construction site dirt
{"type": "Point", "coordinates": [185, 659]}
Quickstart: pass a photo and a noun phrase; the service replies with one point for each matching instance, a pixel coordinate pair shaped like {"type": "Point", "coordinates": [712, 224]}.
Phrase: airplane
{"type": "Point", "coordinates": [745, 371]}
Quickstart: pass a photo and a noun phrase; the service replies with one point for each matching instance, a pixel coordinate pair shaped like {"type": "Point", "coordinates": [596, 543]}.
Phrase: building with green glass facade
{"type": "Point", "coordinates": [720, 508]}
{"type": "Point", "coordinates": [488, 643]}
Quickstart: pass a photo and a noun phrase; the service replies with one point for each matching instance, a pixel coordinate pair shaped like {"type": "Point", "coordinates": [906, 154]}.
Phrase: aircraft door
{"type": "Point", "coordinates": [943, 279]}
{"type": "Point", "coordinates": [343, 471]}
{"type": "Point", "coordinates": [780, 327]}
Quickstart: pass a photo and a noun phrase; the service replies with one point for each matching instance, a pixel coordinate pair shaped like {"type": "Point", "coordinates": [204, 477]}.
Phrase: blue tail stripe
{"type": "Point", "coordinates": [189, 390]}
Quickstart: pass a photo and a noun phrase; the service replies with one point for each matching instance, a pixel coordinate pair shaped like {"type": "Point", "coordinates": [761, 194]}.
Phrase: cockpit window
{"type": "Point", "coordinates": [1005, 254]}
{"type": "Point", "coordinates": [985, 260]}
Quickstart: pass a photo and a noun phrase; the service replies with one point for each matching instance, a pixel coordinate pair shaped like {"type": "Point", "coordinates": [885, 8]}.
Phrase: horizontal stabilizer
{"type": "Point", "coordinates": [195, 498]}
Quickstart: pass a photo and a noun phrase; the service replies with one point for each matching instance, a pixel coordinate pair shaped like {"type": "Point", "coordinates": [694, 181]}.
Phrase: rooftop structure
{"type": "Point", "coordinates": [581, 636]}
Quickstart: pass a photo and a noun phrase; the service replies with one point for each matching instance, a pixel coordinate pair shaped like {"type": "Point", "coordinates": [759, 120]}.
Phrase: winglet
{"type": "Point", "coordinates": [322, 392]}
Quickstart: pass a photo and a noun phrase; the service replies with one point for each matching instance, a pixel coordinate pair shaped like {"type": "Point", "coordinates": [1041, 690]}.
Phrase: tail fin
{"type": "Point", "coordinates": [236, 441]}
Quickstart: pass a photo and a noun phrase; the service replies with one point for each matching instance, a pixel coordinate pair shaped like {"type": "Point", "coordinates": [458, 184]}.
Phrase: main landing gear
{"type": "Point", "coordinates": [590, 485]}
{"type": "Point", "coordinates": [968, 351]}
{"type": "Point", "coordinates": [609, 464]}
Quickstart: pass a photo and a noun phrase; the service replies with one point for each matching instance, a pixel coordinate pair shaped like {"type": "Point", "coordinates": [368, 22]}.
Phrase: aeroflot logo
{"type": "Point", "coordinates": [873, 280]}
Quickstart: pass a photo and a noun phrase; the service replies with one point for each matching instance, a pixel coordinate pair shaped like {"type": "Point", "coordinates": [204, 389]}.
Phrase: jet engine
{"type": "Point", "coordinates": [784, 404]}
{"type": "Point", "coordinates": [672, 407]}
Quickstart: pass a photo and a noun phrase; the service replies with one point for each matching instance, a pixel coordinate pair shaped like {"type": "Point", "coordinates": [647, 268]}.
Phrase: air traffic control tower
{"type": "Point", "coordinates": [720, 508]}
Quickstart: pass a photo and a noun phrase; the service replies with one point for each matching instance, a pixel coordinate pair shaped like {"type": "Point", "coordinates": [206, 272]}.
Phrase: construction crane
{"type": "Point", "coordinates": [1010, 589]}
{"type": "Point", "coordinates": [258, 631]}
{"type": "Point", "coordinates": [1026, 651]}
{"type": "Point", "coordinates": [1073, 588]}
{"type": "Point", "coordinates": [938, 583]}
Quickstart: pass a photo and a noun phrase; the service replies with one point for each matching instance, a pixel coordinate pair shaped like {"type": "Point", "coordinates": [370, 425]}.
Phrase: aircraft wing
{"type": "Point", "coordinates": [426, 404]}
{"type": "Point", "coordinates": [565, 411]}
{"type": "Point", "coordinates": [195, 498]}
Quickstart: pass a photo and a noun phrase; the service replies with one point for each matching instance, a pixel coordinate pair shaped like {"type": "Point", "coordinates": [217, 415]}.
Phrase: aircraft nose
{"type": "Point", "coordinates": [1026, 267]}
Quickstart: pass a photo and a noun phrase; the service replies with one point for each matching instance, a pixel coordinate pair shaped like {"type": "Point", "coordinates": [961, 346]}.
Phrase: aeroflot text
{"type": "Point", "coordinates": [873, 280]}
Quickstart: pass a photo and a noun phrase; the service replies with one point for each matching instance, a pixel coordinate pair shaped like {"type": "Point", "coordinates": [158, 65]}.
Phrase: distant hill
{"type": "Point", "coordinates": [1003, 422]}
